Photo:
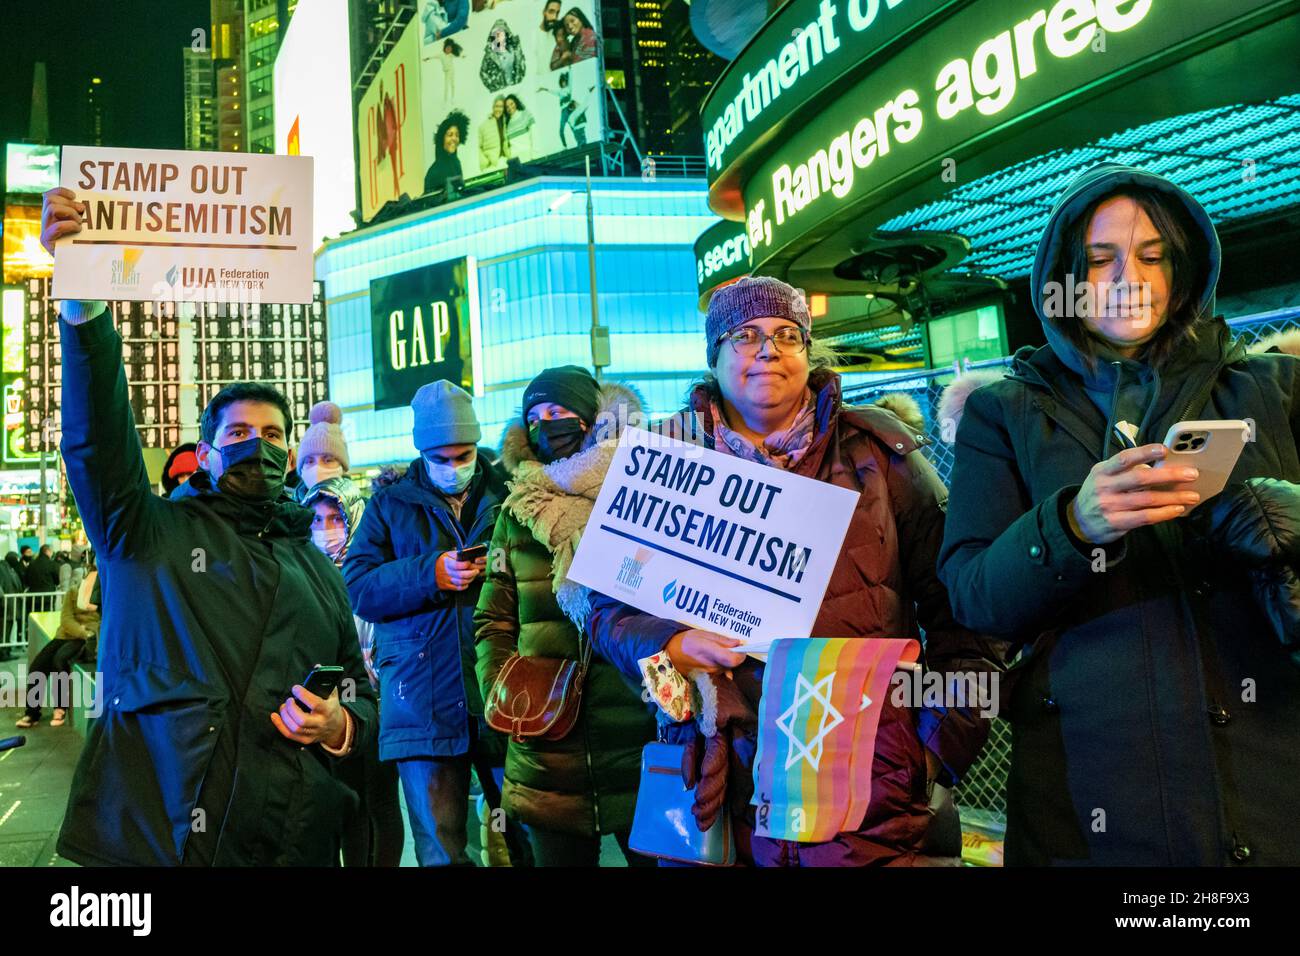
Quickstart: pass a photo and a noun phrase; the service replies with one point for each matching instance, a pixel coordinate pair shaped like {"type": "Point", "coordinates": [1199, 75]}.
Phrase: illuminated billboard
{"type": "Point", "coordinates": [13, 322]}
{"type": "Point", "coordinates": [721, 256]}
{"type": "Point", "coordinates": [313, 109]}
{"type": "Point", "coordinates": [24, 256]}
{"type": "Point", "coordinates": [424, 327]}
{"type": "Point", "coordinates": [31, 168]}
{"type": "Point", "coordinates": [514, 81]}
{"type": "Point", "coordinates": [389, 137]}
{"type": "Point", "coordinates": [839, 113]}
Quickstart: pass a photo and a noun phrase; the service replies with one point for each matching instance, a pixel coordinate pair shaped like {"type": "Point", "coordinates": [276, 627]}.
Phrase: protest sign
{"type": "Point", "coordinates": [181, 225]}
{"type": "Point", "coordinates": [713, 541]}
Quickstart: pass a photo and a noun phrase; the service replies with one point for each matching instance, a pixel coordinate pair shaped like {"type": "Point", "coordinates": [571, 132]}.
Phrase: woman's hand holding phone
{"type": "Point", "coordinates": [1124, 492]}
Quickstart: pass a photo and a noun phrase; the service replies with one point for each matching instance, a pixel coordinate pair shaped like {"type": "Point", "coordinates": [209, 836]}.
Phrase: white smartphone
{"type": "Point", "coordinates": [1211, 447]}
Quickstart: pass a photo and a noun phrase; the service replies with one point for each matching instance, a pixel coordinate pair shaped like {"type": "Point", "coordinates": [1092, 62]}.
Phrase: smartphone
{"type": "Point", "coordinates": [322, 680]}
{"type": "Point", "coordinates": [472, 554]}
{"type": "Point", "coordinates": [1211, 447]}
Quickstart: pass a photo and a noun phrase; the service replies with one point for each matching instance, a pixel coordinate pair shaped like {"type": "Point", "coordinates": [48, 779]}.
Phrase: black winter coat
{"type": "Point", "coordinates": [43, 575]}
{"type": "Point", "coordinates": [213, 609]}
{"type": "Point", "coordinates": [1156, 718]}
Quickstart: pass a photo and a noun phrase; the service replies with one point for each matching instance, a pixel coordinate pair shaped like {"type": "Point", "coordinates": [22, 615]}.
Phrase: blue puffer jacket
{"type": "Point", "coordinates": [424, 637]}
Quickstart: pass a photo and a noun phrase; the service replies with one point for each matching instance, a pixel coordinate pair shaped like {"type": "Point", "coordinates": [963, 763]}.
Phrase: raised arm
{"type": "Point", "coordinates": [100, 446]}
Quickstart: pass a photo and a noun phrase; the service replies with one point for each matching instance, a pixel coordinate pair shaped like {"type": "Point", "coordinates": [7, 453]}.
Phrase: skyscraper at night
{"type": "Point", "coordinates": [264, 24]}
{"type": "Point", "coordinates": [200, 116]}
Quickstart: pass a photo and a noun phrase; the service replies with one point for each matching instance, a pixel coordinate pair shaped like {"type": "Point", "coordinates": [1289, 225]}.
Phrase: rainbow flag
{"type": "Point", "coordinates": [817, 733]}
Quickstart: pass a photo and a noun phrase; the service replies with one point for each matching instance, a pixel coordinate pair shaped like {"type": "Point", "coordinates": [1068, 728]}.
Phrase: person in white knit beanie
{"type": "Point", "coordinates": [323, 451]}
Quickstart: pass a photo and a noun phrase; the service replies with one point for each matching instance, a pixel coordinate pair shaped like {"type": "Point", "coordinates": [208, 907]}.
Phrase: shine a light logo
{"type": "Point", "coordinates": [629, 577]}
{"type": "Point", "coordinates": [123, 272]}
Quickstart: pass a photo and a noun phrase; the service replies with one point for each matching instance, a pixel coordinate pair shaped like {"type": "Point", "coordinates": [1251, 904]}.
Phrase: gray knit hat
{"type": "Point", "coordinates": [444, 415]}
{"type": "Point", "coordinates": [324, 437]}
{"type": "Point", "coordinates": [752, 297]}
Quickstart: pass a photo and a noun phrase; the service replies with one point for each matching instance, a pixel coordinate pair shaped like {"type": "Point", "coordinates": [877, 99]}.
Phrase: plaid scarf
{"type": "Point", "coordinates": [780, 449]}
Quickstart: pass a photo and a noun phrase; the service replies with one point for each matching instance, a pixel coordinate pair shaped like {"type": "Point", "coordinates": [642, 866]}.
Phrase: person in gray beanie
{"type": "Point", "coordinates": [408, 571]}
{"type": "Point", "coordinates": [772, 397]}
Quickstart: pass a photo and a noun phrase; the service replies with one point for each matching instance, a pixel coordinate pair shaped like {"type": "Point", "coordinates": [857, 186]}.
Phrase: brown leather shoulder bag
{"type": "Point", "coordinates": [538, 696]}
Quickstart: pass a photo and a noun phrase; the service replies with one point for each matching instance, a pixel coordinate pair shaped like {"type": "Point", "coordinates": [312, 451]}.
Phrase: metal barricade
{"type": "Point", "coordinates": [15, 618]}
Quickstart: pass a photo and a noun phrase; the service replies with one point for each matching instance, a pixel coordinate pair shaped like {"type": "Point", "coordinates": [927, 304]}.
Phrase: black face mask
{"type": "Point", "coordinates": [254, 469]}
{"type": "Point", "coordinates": [556, 438]}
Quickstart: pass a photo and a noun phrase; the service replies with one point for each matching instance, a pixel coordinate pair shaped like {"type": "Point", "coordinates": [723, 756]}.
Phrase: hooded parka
{"type": "Point", "coordinates": [585, 783]}
{"type": "Point", "coordinates": [424, 636]}
{"type": "Point", "coordinates": [1155, 717]}
{"type": "Point", "coordinates": [883, 585]}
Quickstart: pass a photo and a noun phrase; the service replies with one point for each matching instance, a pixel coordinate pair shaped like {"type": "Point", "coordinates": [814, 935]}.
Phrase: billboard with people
{"type": "Point", "coordinates": [389, 153]}
{"type": "Point", "coordinates": [503, 80]}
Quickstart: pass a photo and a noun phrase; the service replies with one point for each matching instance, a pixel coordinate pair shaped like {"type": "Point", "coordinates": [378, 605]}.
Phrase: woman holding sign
{"type": "Point", "coordinates": [1157, 710]}
{"type": "Point", "coordinates": [772, 398]}
{"type": "Point", "coordinates": [568, 787]}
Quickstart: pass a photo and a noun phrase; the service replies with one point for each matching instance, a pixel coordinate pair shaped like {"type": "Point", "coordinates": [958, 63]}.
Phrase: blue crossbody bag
{"type": "Point", "coordinates": [663, 825]}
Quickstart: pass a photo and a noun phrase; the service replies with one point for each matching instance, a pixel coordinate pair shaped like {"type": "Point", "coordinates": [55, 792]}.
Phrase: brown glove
{"type": "Point", "coordinates": [724, 716]}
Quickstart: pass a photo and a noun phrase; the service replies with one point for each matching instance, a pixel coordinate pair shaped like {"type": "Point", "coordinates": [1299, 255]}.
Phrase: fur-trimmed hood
{"type": "Point", "coordinates": [953, 400]}
{"type": "Point", "coordinates": [1287, 341]}
{"type": "Point", "coordinates": [620, 405]}
{"type": "Point", "coordinates": [905, 407]}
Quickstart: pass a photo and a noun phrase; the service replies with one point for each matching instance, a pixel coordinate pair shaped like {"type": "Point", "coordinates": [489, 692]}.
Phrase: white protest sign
{"type": "Point", "coordinates": [182, 225]}
{"type": "Point", "coordinates": [713, 541]}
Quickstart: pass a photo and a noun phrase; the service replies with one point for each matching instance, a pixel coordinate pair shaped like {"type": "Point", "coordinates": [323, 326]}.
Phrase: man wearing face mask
{"type": "Point", "coordinates": [402, 572]}
{"type": "Point", "coordinates": [208, 751]}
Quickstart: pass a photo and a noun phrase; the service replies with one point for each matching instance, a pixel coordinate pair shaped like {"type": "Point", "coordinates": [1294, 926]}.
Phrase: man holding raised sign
{"type": "Point", "coordinates": [773, 402]}
{"type": "Point", "coordinates": [211, 749]}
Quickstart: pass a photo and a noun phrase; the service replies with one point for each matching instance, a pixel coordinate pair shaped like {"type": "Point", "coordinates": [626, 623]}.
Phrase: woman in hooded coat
{"type": "Point", "coordinates": [569, 792]}
{"type": "Point", "coordinates": [374, 835]}
{"type": "Point", "coordinates": [1156, 709]}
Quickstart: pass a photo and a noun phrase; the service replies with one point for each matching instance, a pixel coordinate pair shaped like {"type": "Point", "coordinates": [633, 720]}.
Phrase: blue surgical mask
{"type": "Point", "coordinates": [450, 479]}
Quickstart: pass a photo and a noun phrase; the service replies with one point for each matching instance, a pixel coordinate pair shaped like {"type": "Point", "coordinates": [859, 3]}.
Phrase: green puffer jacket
{"type": "Point", "coordinates": [586, 783]}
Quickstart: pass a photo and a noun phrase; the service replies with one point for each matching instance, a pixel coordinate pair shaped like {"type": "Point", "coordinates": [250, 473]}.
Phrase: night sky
{"type": "Point", "coordinates": [134, 46]}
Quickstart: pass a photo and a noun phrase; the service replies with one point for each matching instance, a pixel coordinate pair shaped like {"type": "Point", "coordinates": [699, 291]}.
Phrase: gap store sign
{"type": "Point", "coordinates": [836, 102]}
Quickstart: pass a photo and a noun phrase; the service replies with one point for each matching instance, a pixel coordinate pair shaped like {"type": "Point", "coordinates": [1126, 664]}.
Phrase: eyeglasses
{"type": "Point", "coordinates": [749, 341]}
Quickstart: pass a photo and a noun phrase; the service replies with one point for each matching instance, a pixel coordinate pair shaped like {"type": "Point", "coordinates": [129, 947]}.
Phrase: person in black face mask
{"type": "Point", "coordinates": [216, 605]}
{"type": "Point", "coordinates": [573, 791]}
{"type": "Point", "coordinates": [560, 408]}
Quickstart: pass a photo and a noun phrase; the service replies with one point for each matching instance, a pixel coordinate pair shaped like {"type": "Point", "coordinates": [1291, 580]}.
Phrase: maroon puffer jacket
{"type": "Point", "coordinates": [883, 585]}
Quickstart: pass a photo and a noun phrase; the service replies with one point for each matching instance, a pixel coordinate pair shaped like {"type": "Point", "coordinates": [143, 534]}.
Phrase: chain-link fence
{"type": "Point", "coordinates": [984, 787]}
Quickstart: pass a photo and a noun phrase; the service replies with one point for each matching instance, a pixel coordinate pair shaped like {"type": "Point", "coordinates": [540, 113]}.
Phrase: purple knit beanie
{"type": "Point", "coordinates": [753, 297]}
